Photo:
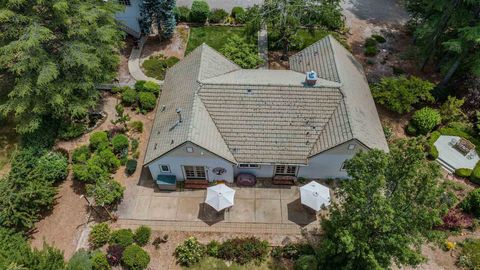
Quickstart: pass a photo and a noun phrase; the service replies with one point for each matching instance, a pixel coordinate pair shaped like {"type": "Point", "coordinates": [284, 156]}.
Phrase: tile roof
{"type": "Point", "coordinates": [266, 116]}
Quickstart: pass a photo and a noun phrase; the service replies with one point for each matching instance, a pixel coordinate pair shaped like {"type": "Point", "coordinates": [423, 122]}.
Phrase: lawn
{"type": "Point", "coordinates": [214, 36]}
{"type": "Point", "coordinates": [217, 264]}
{"type": "Point", "coordinates": [156, 66]}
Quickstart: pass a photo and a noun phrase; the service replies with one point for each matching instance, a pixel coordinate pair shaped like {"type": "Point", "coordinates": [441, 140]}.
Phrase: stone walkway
{"type": "Point", "coordinates": [134, 64]}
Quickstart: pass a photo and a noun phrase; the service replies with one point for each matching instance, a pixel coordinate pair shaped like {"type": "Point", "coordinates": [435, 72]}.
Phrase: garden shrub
{"type": "Point", "coordinates": [71, 131]}
{"type": "Point", "coordinates": [200, 11]}
{"type": "Point", "coordinates": [456, 220]}
{"type": "Point", "coordinates": [238, 13]}
{"type": "Point", "coordinates": [135, 258]}
{"type": "Point", "coordinates": [451, 110]}
{"type": "Point", "coordinates": [142, 235]}
{"type": "Point", "coordinates": [90, 172]}
{"type": "Point", "coordinates": [463, 172]}
{"type": "Point", "coordinates": [99, 140]}
{"type": "Point", "coordinates": [370, 42]}
{"type": "Point", "coordinates": [379, 38]}
{"type": "Point", "coordinates": [371, 51]}
{"type": "Point", "coordinates": [107, 159]}
{"type": "Point", "coordinates": [147, 101]}
{"type": "Point", "coordinates": [129, 97]}
{"type": "Point", "coordinates": [461, 130]}
{"type": "Point", "coordinates": [400, 93]}
{"type": "Point", "coordinates": [426, 119]}
{"type": "Point", "coordinates": [81, 154]}
{"type": "Point", "coordinates": [153, 87]}
{"type": "Point", "coordinates": [470, 254]}
{"type": "Point", "coordinates": [99, 261]}
{"type": "Point", "coordinates": [243, 250]}
{"type": "Point", "coordinates": [79, 261]}
{"type": "Point", "coordinates": [189, 252]}
{"type": "Point", "coordinates": [182, 14]}
{"type": "Point", "coordinates": [294, 251]}
{"type": "Point", "coordinates": [119, 89]}
{"type": "Point", "coordinates": [411, 130]}
{"type": "Point", "coordinates": [156, 67]}
{"type": "Point", "coordinates": [106, 191]}
{"type": "Point", "coordinates": [99, 235]}
{"type": "Point", "coordinates": [139, 85]}
{"type": "Point", "coordinates": [218, 15]}
{"type": "Point", "coordinates": [241, 52]}
{"type": "Point", "coordinates": [131, 166]}
{"type": "Point", "coordinates": [212, 248]}
{"type": "Point", "coordinates": [432, 149]}
{"type": "Point", "coordinates": [52, 167]}
{"type": "Point", "coordinates": [306, 262]}
{"type": "Point", "coordinates": [122, 237]}
{"type": "Point", "coordinates": [114, 254]}
{"type": "Point", "coordinates": [119, 143]}
{"type": "Point", "coordinates": [471, 204]}
{"type": "Point", "coordinates": [475, 176]}
{"type": "Point", "coordinates": [136, 126]}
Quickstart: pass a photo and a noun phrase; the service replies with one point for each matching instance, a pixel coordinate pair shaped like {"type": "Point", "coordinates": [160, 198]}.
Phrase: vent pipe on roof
{"type": "Point", "coordinates": [179, 112]}
{"type": "Point", "coordinates": [311, 78]}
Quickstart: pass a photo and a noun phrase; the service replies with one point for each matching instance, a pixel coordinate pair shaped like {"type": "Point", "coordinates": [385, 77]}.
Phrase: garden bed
{"type": "Point", "coordinates": [214, 36]}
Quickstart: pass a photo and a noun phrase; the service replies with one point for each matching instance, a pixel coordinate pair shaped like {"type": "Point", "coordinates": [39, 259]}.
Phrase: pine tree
{"type": "Point", "coordinates": [148, 15]}
{"type": "Point", "coordinates": [167, 16]}
{"type": "Point", "coordinates": [56, 51]}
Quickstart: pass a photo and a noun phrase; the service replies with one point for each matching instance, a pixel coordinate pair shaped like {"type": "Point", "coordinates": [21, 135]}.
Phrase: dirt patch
{"type": "Point", "coordinates": [173, 47]}
{"type": "Point", "coordinates": [396, 122]}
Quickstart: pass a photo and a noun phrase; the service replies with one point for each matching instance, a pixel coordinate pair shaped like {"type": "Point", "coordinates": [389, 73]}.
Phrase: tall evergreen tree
{"type": "Point", "coordinates": [57, 51]}
{"type": "Point", "coordinates": [149, 12]}
{"type": "Point", "coordinates": [167, 20]}
{"type": "Point", "coordinates": [159, 13]}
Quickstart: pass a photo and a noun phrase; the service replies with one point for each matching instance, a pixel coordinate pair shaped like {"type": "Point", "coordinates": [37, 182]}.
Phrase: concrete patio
{"type": "Point", "coordinates": [281, 207]}
{"type": "Point", "coordinates": [450, 158]}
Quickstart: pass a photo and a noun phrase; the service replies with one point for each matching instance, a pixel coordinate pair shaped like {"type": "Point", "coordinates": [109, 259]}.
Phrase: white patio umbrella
{"type": "Point", "coordinates": [315, 195]}
{"type": "Point", "coordinates": [220, 196]}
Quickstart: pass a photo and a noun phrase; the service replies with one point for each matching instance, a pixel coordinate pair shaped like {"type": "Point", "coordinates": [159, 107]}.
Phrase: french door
{"type": "Point", "coordinates": [195, 172]}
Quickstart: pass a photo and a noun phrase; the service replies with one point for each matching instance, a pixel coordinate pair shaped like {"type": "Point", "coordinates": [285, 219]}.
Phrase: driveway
{"type": "Point", "coordinates": [280, 206]}
{"type": "Point", "coordinates": [376, 11]}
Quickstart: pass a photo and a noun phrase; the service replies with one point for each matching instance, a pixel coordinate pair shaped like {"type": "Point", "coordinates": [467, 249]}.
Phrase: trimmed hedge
{"type": "Point", "coordinates": [119, 143]}
{"type": "Point", "coordinates": [129, 96]}
{"type": "Point", "coordinates": [122, 237]}
{"type": "Point", "coordinates": [463, 172]}
{"type": "Point", "coordinates": [218, 15]}
{"type": "Point", "coordinates": [142, 235]}
{"type": "Point", "coordinates": [99, 235]}
{"type": "Point", "coordinates": [426, 119]}
{"type": "Point", "coordinates": [99, 140]}
{"type": "Point", "coordinates": [432, 150]}
{"type": "Point", "coordinates": [135, 258]}
{"type": "Point", "coordinates": [182, 14]}
{"type": "Point", "coordinates": [131, 166]}
{"type": "Point", "coordinates": [200, 11]}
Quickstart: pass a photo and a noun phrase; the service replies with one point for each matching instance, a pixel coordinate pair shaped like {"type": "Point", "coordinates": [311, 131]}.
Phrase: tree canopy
{"type": "Point", "coordinates": [241, 52]}
{"type": "Point", "coordinates": [385, 211]}
{"type": "Point", "coordinates": [56, 51]}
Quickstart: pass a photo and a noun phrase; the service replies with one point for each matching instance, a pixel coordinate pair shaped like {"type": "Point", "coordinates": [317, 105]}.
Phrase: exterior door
{"type": "Point", "coordinates": [195, 172]}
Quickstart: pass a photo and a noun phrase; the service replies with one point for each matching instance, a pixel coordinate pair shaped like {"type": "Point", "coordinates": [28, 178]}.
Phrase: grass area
{"type": "Point", "coordinates": [156, 66]}
{"type": "Point", "coordinates": [210, 263]}
{"type": "Point", "coordinates": [214, 36]}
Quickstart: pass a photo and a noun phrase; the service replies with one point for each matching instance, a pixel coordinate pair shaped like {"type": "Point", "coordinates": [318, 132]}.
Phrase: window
{"type": "Point", "coordinates": [286, 169]}
{"type": "Point", "coordinates": [189, 149]}
{"type": "Point", "coordinates": [125, 2]}
{"type": "Point", "coordinates": [342, 168]}
{"type": "Point", "coordinates": [252, 166]}
{"type": "Point", "coordinates": [195, 172]}
{"type": "Point", "coordinates": [164, 168]}
{"type": "Point", "coordinates": [351, 146]}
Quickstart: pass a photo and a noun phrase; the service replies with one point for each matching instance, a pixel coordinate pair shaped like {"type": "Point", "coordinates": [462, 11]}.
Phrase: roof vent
{"type": "Point", "coordinates": [179, 112]}
{"type": "Point", "coordinates": [311, 78]}
{"type": "Point", "coordinates": [249, 92]}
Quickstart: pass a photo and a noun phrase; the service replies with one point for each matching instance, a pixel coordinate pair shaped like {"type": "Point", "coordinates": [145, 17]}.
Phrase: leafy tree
{"type": "Point", "coordinates": [122, 117]}
{"type": "Point", "coordinates": [52, 166]}
{"type": "Point", "coordinates": [106, 191]}
{"type": "Point", "coordinates": [400, 93]}
{"type": "Point", "coordinates": [158, 12]}
{"type": "Point", "coordinates": [284, 18]}
{"type": "Point", "coordinates": [99, 140]}
{"type": "Point", "coordinates": [451, 110]}
{"type": "Point", "coordinates": [56, 51]}
{"type": "Point", "coordinates": [200, 11]}
{"type": "Point", "coordinates": [242, 53]}
{"type": "Point", "coordinates": [426, 119]}
{"type": "Point", "coordinates": [386, 211]}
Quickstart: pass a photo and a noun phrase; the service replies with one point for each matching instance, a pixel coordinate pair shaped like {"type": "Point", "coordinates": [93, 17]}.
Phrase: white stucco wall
{"type": "Point", "coordinates": [329, 163]}
{"type": "Point", "coordinates": [265, 171]}
{"type": "Point", "coordinates": [130, 15]}
{"type": "Point", "coordinates": [179, 157]}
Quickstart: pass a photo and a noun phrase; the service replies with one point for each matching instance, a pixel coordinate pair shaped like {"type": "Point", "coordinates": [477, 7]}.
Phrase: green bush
{"type": "Point", "coordinates": [139, 85]}
{"type": "Point", "coordinates": [99, 261]}
{"type": "Point", "coordinates": [243, 250]}
{"type": "Point", "coordinates": [79, 261]}
{"type": "Point", "coordinates": [218, 15]}
{"type": "Point", "coordinates": [129, 97]}
{"type": "Point", "coordinates": [294, 251]}
{"type": "Point", "coordinates": [379, 38]}
{"type": "Point", "coordinates": [135, 144]}
{"type": "Point", "coordinates": [52, 167]}
{"type": "Point", "coordinates": [99, 235]}
{"type": "Point", "coordinates": [81, 154]}
{"type": "Point", "coordinates": [399, 94]}
{"type": "Point", "coordinates": [433, 152]}
{"type": "Point", "coordinates": [119, 143]}
{"type": "Point", "coordinates": [371, 51]}
{"type": "Point", "coordinates": [471, 204]}
{"type": "Point", "coordinates": [135, 258]}
{"type": "Point", "coordinates": [200, 11]}
{"type": "Point", "coordinates": [119, 89]}
{"type": "Point", "coordinates": [99, 140]}
{"type": "Point", "coordinates": [107, 159]}
{"type": "Point", "coordinates": [369, 42]}
{"type": "Point", "coordinates": [189, 252]}
{"type": "Point", "coordinates": [470, 254]}
{"type": "Point", "coordinates": [241, 52]}
{"type": "Point", "coordinates": [156, 67]}
{"type": "Point", "coordinates": [90, 172]}
{"type": "Point", "coordinates": [106, 191]}
{"type": "Point", "coordinates": [426, 119]}
{"type": "Point", "coordinates": [131, 166]}
{"type": "Point", "coordinates": [71, 131]}
{"type": "Point", "coordinates": [238, 13]}
{"type": "Point", "coordinates": [122, 237]}
{"type": "Point", "coordinates": [475, 176]}
{"type": "Point", "coordinates": [463, 172]}
{"type": "Point", "coordinates": [142, 235]}
{"type": "Point", "coordinates": [306, 262]}
{"type": "Point", "coordinates": [147, 101]}
{"type": "Point", "coordinates": [411, 130]}
{"type": "Point", "coordinates": [153, 87]}
{"type": "Point", "coordinates": [136, 126]}
{"type": "Point", "coordinates": [212, 248]}
{"type": "Point", "coordinates": [182, 14]}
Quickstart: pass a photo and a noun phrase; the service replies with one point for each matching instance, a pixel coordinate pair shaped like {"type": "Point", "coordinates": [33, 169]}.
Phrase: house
{"type": "Point", "coordinates": [128, 19]}
{"type": "Point", "coordinates": [215, 120]}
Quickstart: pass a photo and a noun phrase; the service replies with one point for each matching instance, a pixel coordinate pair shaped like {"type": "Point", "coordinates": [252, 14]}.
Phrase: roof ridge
{"type": "Point", "coordinates": [323, 130]}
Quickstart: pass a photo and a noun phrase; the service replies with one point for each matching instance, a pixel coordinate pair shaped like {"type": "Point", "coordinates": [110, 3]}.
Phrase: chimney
{"type": "Point", "coordinates": [179, 112]}
{"type": "Point", "coordinates": [311, 79]}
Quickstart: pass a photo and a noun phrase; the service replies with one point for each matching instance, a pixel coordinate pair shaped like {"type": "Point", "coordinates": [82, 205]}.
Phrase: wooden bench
{"type": "Point", "coordinates": [196, 184]}
{"type": "Point", "coordinates": [284, 180]}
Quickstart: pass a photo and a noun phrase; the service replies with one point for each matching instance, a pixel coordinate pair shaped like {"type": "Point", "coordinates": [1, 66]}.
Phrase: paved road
{"type": "Point", "coordinates": [223, 4]}
{"type": "Point", "coordinates": [377, 11]}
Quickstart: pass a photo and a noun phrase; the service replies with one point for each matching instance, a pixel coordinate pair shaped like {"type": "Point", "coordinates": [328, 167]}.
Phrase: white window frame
{"type": "Point", "coordinates": [286, 169]}
{"type": "Point", "coordinates": [342, 167]}
{"type": "Point", "coordinates": [195, 172]}
{"type": "Point", "coordinates": [161, 168]}
{"type": "Point", "coordinates": [248, 166]}
{"type": "Point", "coordinates": [189, 149]}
